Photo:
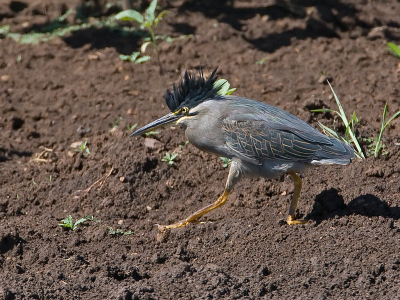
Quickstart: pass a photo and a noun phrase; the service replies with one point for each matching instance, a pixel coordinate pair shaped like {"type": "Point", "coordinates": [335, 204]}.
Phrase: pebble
{"type": "Point", "coordinates": [5, 78]}
{"type": "Point", "coordinates": [152, 143]}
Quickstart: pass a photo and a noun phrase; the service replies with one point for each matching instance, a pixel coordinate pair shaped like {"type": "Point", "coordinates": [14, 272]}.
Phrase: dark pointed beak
{"type": "Point", "coordinates": [167, 120]}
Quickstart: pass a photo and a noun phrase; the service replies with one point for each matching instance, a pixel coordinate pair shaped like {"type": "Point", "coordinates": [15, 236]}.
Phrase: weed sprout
{"type": "Point", "coordinates": [149, 21]}
{"type": "Point", "coordinates": [169, 158]}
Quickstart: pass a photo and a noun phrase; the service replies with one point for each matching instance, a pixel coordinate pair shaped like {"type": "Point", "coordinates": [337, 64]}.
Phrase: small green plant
{"type": "Point", "coordinates": [379, 144]}
{"type": "Point", "coordinates": [134, 57]}
{"type": "Point", "coordinates": [225, 85]}
{"type": "Point", "coordinates": [149, 22]}
{"type": "Point", "coordinates": [226, 162]}
{"type": "Point", "coordinates": [350, 136]}
{"type": "Point", "coordinates": [181, 146]}
{"type": "Point", "coordinates": [150, 133]}
{"type": "Point", "coordinates": [118, 231]}
{"type": "Point", "coordinates": [131, 127]}
{"type": "Point", "coordinates": [262, 60]}
{"type": "Point", "coordinates": [83, 148]}
{"type": "Point", "coordinates": [69, 224]}
{"type": "Point", "coordinates": [394, 49]}
{"type": "Point", "coordinates": [169, 158]}
{"type": "Point", "coordinates": [116, 122]}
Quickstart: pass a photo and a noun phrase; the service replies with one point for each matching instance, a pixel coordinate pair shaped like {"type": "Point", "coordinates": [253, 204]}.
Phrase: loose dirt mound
{"type": "Point", "coordinates": [75, 88]}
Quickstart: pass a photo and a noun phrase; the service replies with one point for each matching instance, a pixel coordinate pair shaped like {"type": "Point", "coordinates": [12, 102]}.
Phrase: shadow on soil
{"type": "Point", "coordinates": [5, 154]}
{"type": "Point", "coordinates": [322, 22]}
{"type": "Point", "coordinates": [329, 204]}
{"type": "Point", "coordinates": [100, 38]}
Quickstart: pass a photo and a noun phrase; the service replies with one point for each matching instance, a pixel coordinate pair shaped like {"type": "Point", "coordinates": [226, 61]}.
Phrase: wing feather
{"type": "Point", "coordinates": [256, 141]}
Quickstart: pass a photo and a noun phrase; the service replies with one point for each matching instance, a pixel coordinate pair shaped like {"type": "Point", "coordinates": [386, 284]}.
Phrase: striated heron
{"type": "Point", "coordinates": [260, 139]}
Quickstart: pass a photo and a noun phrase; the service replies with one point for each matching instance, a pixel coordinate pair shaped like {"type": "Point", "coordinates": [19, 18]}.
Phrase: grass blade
{"type": "Point", "coordinates": [322, 110]}
{"type": "Point", "coordinates": [394, 49]}
{"type": "Point", "coordinates": [384, 125]}
{"type": "Point", "coordinates": [346, 123]}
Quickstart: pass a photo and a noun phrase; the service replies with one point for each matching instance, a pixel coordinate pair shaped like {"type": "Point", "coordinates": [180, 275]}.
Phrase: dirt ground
{"type": "Point", "coordinates": [75, 87]}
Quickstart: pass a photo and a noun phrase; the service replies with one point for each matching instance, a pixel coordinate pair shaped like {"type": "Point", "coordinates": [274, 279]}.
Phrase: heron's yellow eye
{"type": "Point", "coordinates": [184, 110]}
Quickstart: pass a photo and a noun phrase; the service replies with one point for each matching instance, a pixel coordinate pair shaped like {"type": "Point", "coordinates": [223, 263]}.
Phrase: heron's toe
{"type": "Point", "coordinates": [291, 221]}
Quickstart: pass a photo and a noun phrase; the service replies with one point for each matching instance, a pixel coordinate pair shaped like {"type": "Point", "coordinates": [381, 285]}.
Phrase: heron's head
{"type": "Point", "coordinates": [183, 99]}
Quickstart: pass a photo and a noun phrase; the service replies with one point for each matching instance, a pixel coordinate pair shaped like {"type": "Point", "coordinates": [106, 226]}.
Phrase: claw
{"type": "Point", "coordinates": [291, 221]}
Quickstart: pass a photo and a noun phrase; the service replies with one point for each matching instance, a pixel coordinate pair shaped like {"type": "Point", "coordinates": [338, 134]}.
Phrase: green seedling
{"type": "Point", "coordinates": [169, 158]}
{"type": "Point", "coordinates": [262, 60]}
{"type": "Point", "coordinates": [226, 162]}
{"type": "Point", "coordinates": [350, 136]}
{"type": "Point", "coordinates": [118, 231]}
{"type": "Point", "coordinates": [170, 39]}
{"type": "Point", "coordinates": [181, 146]}
{"type": "Point", "coordinates": [394, 49]}
{"type": "Point", "coordinates": [131, 127]}
{"type": "Point", "coordinates": [150, 133]}
{"type": "Point", "coordinates": [149, 22]}
{"type": "Point", "coordinates": [69, 224]}
{"type": "Point", "coordinates": [225, 85]}
{"type": "Point", "coordinates": [379, 144]}
{"type": "Point", "coordinates": [116, 122]}
{"type": "Point", "coordinates": [134, 57]}
{"type": "Point", "coordinates": [370, 144]}
{"type": "Point", "coordinates": [83, 148]}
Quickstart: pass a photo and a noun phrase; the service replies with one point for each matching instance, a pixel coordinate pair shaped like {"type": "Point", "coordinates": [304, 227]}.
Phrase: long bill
{"type": "Point", "coordinates": [168, 120]}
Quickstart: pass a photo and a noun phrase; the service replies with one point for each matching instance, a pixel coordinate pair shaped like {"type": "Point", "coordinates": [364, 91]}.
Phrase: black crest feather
{"type": "Point", "coordinates": [192, 90]}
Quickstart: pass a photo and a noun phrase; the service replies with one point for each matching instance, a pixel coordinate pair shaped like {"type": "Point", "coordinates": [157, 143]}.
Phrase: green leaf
{"type": "Point", "coordinates": [78, 222]}
{"type": "Point", "coordinates": [230, 91]}
{"type": "Point", "coordinates": [384, 125]}
{"type": "Point", "coordinates": [329, 131]}
{"type": "Point", "coordinates": [223, 86]}
{"type": "Point", "coordinates": [160, 16]}
{"type": "Point", "coordinates": [174, 155]}
{"type": "Point", "coordinates": [262, 60]}
{"type": "Point", "coordinates": [393, 117]}
{"type": "Point", "coordinates": [151, 133]}
{"type": "Point", "coordinates": [394, 49]}
{"type": "Point", "coordinates": [346, 123]}
{"type": "Point", "coordinates": [150, 11]}
{"type": "Point", "coordinates": [67, 222]}
{"type": "Point", "coordinates": [322, 110]}
{"type": "Point", "coordinates": [134, 56]}
{"type": "Point", "coordinates": [124, 57]}
{"type": "Point", "coordinates": [226, 162]}
{"type": "Point", "coordinates": [354, 117]}
{"type": "Point", "coordinates": [145, 24]}
{"type": "Point", "coordinates": [5, 29]}
{"type": "Point", "coordinates": [142, 59]}
{"type": "Point", "coordinates": [130, 15]}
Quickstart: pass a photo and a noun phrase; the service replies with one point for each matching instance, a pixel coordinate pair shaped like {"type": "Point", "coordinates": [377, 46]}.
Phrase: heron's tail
{"type": "Point", "coordinates": [339, 153]}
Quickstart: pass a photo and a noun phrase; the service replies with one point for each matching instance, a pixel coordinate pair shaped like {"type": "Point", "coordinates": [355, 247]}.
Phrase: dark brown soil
{"type": "Point", "coordinates": [73, 88]}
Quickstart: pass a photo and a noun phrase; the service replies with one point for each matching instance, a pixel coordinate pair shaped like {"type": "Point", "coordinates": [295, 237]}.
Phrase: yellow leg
{"type": "Point", "coordinates": [292, 210]}
{"type": "Point", "coordinates": [193, 217]}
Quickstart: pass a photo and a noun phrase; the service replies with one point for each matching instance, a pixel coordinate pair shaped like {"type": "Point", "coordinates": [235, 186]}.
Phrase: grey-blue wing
{"type": "Point", "coordinates": [255, 140]}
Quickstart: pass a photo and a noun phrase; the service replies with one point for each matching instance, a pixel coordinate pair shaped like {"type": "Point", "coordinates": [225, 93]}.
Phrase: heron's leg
{"type": "Point", "coordinates": [233, 177]}
{"type": "Point", "coordinates": [292, 210]}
